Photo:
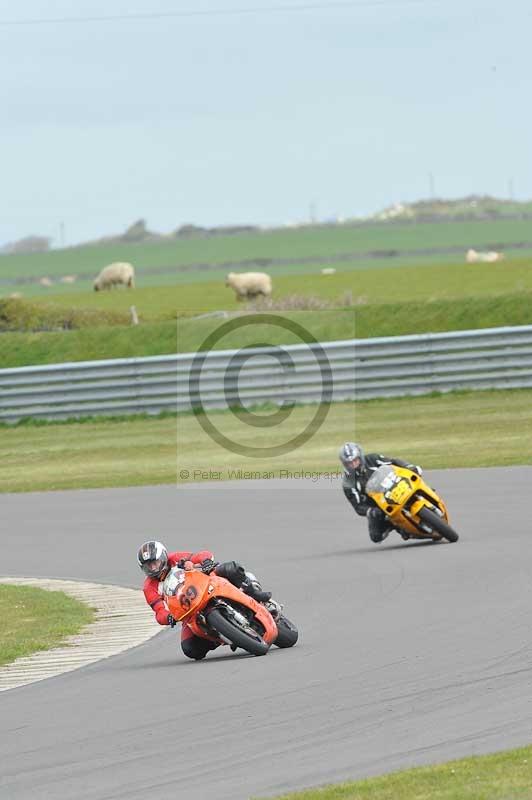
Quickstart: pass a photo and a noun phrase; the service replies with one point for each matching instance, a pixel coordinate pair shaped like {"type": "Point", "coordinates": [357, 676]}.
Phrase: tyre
{"type": "Point", "coordinates": [438, 524]}
{"type": "Point", "coordinates": [287, 634]}
{"type": "Point", "coordinates": [246, 638]}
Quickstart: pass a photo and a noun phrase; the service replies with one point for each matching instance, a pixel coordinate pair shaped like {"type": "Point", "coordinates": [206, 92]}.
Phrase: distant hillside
{"type": "Point", "coordinates": [29, 244]}
{"type": "Point", "coordinates": [465, 209]}
{"type": "Point", "coordinates": [474, 207]}
{"type": "Point", "coordinates": [138, 233]}
{"type": "Point", "coordinates": [428, 230]}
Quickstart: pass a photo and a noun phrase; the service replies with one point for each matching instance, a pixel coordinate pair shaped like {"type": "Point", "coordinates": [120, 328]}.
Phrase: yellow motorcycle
{"type": "Point", "coordinates": [410, 505]}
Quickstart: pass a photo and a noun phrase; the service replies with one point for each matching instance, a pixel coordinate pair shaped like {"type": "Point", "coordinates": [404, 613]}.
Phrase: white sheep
{"type": "Point", "coordinates": [45, 281]}
{"type": "Point", "coordinates": [328, 271]}
{"type": "Point", "coordinates": [114, 275]}
{"type": "Point", "coordinates": [489, 257]}
{"type": "Point", "coordinates": [68, 279]}
{"type": "Point", "coordinates": [247, 285]}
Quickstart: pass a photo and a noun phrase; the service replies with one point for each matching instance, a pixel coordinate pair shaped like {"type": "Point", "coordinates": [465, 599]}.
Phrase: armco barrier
{"type": "Point", "coordinates": [359, 369]}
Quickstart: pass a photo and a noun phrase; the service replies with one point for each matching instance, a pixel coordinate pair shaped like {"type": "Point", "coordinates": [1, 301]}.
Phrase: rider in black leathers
{"type": "Point", "coordinates": [358, 468]}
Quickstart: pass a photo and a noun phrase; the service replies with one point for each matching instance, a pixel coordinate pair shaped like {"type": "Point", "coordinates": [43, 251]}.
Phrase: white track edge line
{"type": "Point", "coordinates": [122, 620]}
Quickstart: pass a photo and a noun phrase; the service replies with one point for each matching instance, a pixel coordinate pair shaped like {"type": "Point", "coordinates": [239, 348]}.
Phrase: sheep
{"type": "Point", "coordinates": [45, 281]}
{"type": "Point", "coordinates": [472, 256]}
{"type": "Point", "coordinates": [247, 285]}
{"type": "Point", "coordinates": [491, 256]}
{"type": "Point", "coordinates": [328, 271]}
{"type": "Point", "coordinates": [115, 274]}
{"type": "Point", "coordinates": [68, 279]}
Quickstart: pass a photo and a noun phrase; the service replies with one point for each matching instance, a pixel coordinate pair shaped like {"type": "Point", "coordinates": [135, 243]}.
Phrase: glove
{"type": "Point", "coordinates": [416, 468]}
{"type": "Point", "coordinates": [207, 566]}
{"type": "Point", "coordinates": [171, 621]}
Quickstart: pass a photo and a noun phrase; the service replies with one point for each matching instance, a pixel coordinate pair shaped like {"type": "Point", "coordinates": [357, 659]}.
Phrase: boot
{"type": "Point", "coordinates": [252, 587]}
{"type": "Point", "coordinates": [274, 608]}
{"type": "Point", "coordinates": [256, 593]}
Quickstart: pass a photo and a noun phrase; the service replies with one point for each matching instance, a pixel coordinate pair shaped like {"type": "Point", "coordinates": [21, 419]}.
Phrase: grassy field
{"type": "Point", "coordinates": [33, 619]}
{"type": "Point", "coordinates": [213, 274]}
{"type": "Point", "coordinates": [423, 283]}
{"type": "Point", "coordinates": [456, 430]}
{"type": "Point", "coordinates": [148, 278]}
{"type": "Point", "coordinates": [503, 776]}
{"type": "Point", "coordinates": [429, 282]}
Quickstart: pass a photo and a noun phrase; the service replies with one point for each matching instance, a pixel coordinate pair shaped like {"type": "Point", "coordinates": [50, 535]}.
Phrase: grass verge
{"type": "Point", "coordinates": [502, 776]}
{"type": "Point", "coordinates": [185, 336]}
{"type": "Point", "coordinates": [21, 315]}
{"type": "Point", "coordinates": [33, 619]}
{"type": "Point", "coordinates": [470, 429]}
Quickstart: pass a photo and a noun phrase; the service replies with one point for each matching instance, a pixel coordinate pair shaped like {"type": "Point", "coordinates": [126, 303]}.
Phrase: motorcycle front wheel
{"type": "Point", "coordinates": [287, 634]}
{"type": "Point", "coordinates": [246, 638]}
{"type": "Point", "coordinates": [438, 524]}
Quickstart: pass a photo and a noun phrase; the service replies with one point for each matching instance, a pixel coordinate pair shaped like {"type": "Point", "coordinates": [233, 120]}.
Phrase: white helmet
{"type": "Point", "coordinates": [352, 457]}
{"type": "Point", "coordinates": [152, 558]}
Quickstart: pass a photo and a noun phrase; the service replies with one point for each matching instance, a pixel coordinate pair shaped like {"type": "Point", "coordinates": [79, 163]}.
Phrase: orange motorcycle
{"type": "Point", "coordinates": [216, 610]}
{"type": "Point", "coordinates": [411, 506]}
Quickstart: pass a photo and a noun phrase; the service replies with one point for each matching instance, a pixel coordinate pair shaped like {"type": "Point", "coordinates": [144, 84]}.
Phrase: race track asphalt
{"type": "Point", "coordinates": [410, 653]}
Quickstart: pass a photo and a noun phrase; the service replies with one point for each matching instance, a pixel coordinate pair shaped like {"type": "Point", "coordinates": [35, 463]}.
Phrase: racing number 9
{"type": "Point", "coordinates": [187, 597]}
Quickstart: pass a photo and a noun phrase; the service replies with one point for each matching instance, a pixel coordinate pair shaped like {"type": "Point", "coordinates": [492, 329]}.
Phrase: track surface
{"type": "Point", "coordinates": [409, 653]}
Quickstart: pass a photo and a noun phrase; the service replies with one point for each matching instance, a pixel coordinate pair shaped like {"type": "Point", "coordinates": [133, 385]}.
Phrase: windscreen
{"type": "Point", "coordinates": [173, 581]}
{"type": "Point", "coordinates": [382, 479]}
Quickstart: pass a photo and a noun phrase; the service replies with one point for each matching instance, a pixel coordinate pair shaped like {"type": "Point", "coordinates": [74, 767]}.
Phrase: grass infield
{"type": "Point", "coordinates": [469, 429]}
{"type": "Point", "coordinates": [33, 619]}
{"type": "Point", "coordinates": [503, 776]}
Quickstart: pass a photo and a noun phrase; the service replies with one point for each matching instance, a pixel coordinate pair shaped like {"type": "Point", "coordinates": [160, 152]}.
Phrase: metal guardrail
{"type": "Point", "coordinates": [354, 369]}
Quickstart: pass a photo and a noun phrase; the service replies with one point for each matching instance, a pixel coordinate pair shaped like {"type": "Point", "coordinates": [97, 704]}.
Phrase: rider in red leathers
{"type": "Point", "coordinates": [155, 561]}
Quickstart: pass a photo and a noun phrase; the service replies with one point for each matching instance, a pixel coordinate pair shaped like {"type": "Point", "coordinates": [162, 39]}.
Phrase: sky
{"type": "Point", "coordinates": [267, 112]}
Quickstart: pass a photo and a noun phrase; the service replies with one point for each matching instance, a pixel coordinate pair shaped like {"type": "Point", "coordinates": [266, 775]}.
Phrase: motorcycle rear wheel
{"type": "Point", "coordinates": [253, 643]}
{"type": "Point", "coordinates": [287, 633]}
{"type": "Point", "coordinates": [438, 524]}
